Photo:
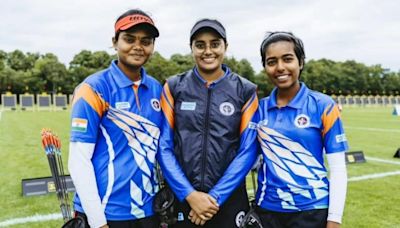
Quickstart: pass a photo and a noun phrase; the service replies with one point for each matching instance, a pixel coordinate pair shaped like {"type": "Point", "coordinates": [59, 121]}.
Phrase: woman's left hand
{"type": "Point", "coordinates": [194, 218]}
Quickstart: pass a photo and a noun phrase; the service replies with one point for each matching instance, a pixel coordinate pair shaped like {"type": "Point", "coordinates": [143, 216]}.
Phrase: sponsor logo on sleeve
{"type": "Point", "coordinates": [79, 124]}
{"type": "Point", "coordinates": [341, 138]}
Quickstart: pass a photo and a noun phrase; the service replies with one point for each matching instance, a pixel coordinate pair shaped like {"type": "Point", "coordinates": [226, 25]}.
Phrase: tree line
{"type": "Point", "coordinates": [36, 73]}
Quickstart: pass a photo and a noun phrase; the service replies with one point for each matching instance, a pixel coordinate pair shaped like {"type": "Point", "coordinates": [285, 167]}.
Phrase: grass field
{"type": "Point", "coordinates": [370, 203]}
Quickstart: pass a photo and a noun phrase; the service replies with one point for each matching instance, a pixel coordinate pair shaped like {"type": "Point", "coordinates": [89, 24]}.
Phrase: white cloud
{"type": "Point", "coordinates": [364, 31]}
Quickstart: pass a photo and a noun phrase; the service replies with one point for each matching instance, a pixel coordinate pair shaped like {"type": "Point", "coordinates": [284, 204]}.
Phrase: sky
{"type": "Point", "coordinates": [367, 31]}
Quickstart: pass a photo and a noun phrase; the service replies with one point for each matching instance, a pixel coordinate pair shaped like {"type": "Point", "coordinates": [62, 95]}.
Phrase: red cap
{"type": "Point", "coordinates": [135, 19]}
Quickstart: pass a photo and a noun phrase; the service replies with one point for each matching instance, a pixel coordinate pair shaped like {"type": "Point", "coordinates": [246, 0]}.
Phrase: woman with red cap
{"type": "Point", "coordinates": [115, 127]}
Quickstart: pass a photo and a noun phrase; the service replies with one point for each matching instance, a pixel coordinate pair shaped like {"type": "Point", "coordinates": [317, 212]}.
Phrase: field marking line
{"type": "Point", "coordinates": [373, 129]}
{"type": "Point", "coordinates": [54, 216]}
{"type": "Point", "coordinates": [382, 160]}
{"type": "Point", "coordinates": [373, 176]}
{"type": "Point", "coordinates": [34, 218]}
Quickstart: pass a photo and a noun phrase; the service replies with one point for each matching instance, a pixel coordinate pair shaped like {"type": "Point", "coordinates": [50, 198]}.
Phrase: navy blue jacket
{"type": "Point", "coordinates": [208, 138]}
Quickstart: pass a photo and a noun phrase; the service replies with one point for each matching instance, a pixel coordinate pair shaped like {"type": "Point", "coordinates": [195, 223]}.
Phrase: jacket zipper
{"type": "Point", "coordinates": [205, 138]}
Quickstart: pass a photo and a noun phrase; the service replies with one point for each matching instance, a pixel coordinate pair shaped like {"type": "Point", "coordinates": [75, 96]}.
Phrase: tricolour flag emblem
{"type": "Point", "coordinates": [79, 124]}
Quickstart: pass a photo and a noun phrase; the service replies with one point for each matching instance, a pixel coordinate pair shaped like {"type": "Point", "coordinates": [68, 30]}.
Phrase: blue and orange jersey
{"type": "Point", "coordinates": [208, 140]}
{"type": "Point", "coordinates": [123, 120]}
{"type": "Point", "coordinates": [293, 140]}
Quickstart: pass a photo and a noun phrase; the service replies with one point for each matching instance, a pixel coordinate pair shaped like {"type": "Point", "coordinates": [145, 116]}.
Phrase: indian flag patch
{"type": "Point", "coordinates": [79, 124]}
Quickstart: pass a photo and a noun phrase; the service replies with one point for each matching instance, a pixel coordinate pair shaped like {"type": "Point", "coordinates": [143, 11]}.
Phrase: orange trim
{"type": "Point", "coordinates": [136, 89]}
{"type": "Point", "coordinates": [132, 20]}
{"type": "Point", "coordinates": [329, 119]}
{"type": "Point", "coordinates": [169, 97]}
{"type": "Point", "coordinates": [248, 114]}
{"type": "Point", "coordinates": [85, 92]}
{"type": "Point", "coordinates": [247, 103]}
{"type": "Point", "coordinates": [168, 108]}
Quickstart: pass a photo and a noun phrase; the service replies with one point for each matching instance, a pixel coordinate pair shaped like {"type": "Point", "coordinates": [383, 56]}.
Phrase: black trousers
{"type": "Point", "coordinates": [148, 222]}
{"type": "Point", "coordinates": [302, 219]}
{"type": "Point", "coordinates": [230, 214]}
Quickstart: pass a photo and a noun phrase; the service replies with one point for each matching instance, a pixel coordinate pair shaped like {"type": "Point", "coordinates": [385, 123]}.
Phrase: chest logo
{"type": "Point", "coordinates": [188, 106]}
{"type": "Point", "coordinates": [122, 105]}
{"type": "Point", "coordinates": [155, 104]}
{"type": "Point", "coordinates": [302, 121]}
{"type": "Point", "coordinates": [226, 109]}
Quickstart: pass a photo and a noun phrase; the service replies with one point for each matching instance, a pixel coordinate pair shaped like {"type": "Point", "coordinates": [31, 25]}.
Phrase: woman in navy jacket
{"type": "Point", "coordinates": [207, 143]}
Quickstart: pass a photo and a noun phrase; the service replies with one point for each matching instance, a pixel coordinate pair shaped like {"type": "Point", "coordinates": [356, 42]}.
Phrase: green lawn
{"type": "Point", "coordinates": [370, 203]}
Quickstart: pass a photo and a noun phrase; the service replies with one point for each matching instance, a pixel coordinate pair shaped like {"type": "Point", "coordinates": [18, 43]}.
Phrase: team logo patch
{"type": "Point", "coordinates": [302, 121]}
{"type": "Point", "coordinates": [79, 124]}
{"type": "Point", "coordinates": [239, 218]}
{"type": "Point", "coordinates": [122, 105]}
{"type": "Point", "coordinates": [155, 104]}
{"type": "Point", "coordinates": [226, 109]}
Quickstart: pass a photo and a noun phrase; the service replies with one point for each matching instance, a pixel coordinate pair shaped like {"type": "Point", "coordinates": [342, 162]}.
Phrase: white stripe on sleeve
{"type": "Point", "coordinates": [338, 186]}
{"type": "Point", "coordinates": [82, 173]}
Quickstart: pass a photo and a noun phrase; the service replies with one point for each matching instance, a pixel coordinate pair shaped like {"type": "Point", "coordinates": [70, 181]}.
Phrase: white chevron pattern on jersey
{"type": "Point", "coordinates": [290, 159]}
{"type": "Point", "coordinates": [142, 136]}
{"type": "Point", "coordinates": [136, 195]}
{"type": "Point", "coordinates": [111, 153]}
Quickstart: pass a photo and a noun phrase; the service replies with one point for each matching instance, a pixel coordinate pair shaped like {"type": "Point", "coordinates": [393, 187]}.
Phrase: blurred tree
{"type": "Point", "coordinates": [184, 62]}
{"type": "Point", "coordinates": [47, 75]}
{"type": "Point", "coordinates": [245, 69]}
{"type": "Point", "coordinates": [3, 59]}
{"type": "Point", "coordinates": [264, 85]}
{"type": "Point", "coordinates": [161, 68]}
{"type": "Point", "coordinates": [18, 61]}
{"type": "Point", "coordinates": [391, 82]}
{"type": "Point", "coordinates": [86, 63]}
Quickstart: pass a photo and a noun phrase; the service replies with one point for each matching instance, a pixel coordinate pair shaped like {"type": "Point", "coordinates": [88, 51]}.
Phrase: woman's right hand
{"type": "Point", "coordinates": [202, 204]}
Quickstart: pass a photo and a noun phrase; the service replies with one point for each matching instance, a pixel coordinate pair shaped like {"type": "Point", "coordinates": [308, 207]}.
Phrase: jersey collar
{"type": "Point", "coordinates": [122, 80]}
{"type": "Point", "coordinates": [297, 102]}
{"type": "Point", "coordinates": [225, 68]}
